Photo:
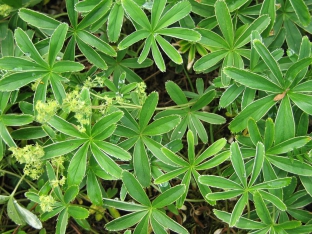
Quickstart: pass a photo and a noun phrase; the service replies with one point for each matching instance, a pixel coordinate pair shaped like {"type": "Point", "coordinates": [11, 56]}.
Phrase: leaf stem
{"type": "Point", "coordinates": [18, 184]}
{"type": "Point", "coordinates": [189, 79]}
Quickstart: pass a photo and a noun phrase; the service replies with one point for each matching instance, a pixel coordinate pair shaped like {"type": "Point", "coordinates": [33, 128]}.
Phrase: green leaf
{"type": "Point", "coordinates": [224, 195]}
{"type": "Point", "coordinates": [67, 66]}
{"type": "Point", "coordinates": [141, 164]}
{"type": "Point", "coordinates": [120, 205]}
{"type": "Point", "coordinates": [218, 182]}
{"type": "Point", "coordinates": [115, 21]}
{"type": "Point", "coordinates": [146, 49]}
{"type": "Point", "coordinates": [96, 42]}
{"type": "Point", "coordinates": [259, 24]}
{"type": "Point", "coordinates": [272, 184]}
{"type": "Point", "coordinates": [60, 148]}
{"type": "Point", "coordinates": [167, 222]}
{"type": "Point", "coordinates": [77, 166]}
{"type": "Point", "coordinates": [303, 87]}
{"type": "Point", "coordinates": [71, 12]}
{"type": "Point", "coordinates": [210, 117]}
{"type": "Point", "coordinates": [25, 44]}
{"type": "Point", "coordinates": [269, 61]}
{"type": "Point", "coordinates": [62, 222]}
{"type": "Point", "coordinates": [21, 216]}
{"type": "Point", "coordinates": [213, 149]}
{"type": "Point", "coordinates": [273, 199]}
{"type": "Point", "coordinates": [261, 209]}
{"type": "Point", "coordinates": [143, 225]}
{"type": "Point", "coordinates": [289, 145]}
{"type": "Point", "coordinates": [56, 42]}
{"type": "Point", "coordinates": [159, 61]}
{"type": "Point", "coordinates": [91, 55]}
{"type": "Point", "coordinates": [162, 125]}
{"type": "Point", "coordinates": [258, 163]}
{"type": "Point", "coordinates": [176, 93]}
{"type": "Point", "coordinates": [16, 64]}
{"type": "Point", "coordinates": [225, 21]}
{"type": "Point", "coordinates": [174, 14]}
{"type": "Point", "coordinates": [125, 221]}
{"type": "Point", "coordinates": [181, 33]}
{"type": "Point", "coordinates": [94, 189]}
{"type": "Point", "coordinates": [5, 135]}
{"type": "Point", "coordinates": [136, 13]}
{"type": "Point", "coordinates": [295, 69]}
{"type": "Point", "coordinates": [289, 224]}
{"type": "Point", "coordinates": [4, 199]}
{"type": "Point", "coordinates": [96, 14]}
{"type": "Point", "coordinates": [102, 124]}
{"type": "Point", "coordinates": [230, 94]}
{"type": "Point", "coordinates": [157, 10]}
{"type": "Point", "coordinates": [174, 158]}
{"type": "Point", "coordinates": [133, 38]}
{"type": "Point", "coordinates": [291, 165]}
{"type": "Point", "coordinates": [78, 212]}
{"type": "Point", "coordinates": [169, 196]}
{"type": "Point", "coordinates": [215, 161]}
{"type": "Point", "coordinates": [199, 128]}
{"type": "Point", "coordinates": [148, 110]}
{"type": "Point", "coordinates": [204, 100]}
{"type": "Point", "coordinates": [170, 175]}
{"type": "Point", "coordinates": [238, 163]}
{"type": "Point", "coordinates": [238, 209]}
{"type": "Point", "coordinates": [252, 80]}
{"type": "Point", "coordinates": [65, 127]}
{"type": "Point", "coordinates": [284, 122]}
{"type": "Point", "coordinates": [191, 147]}
{"type": "Point", "coordinates": [269, 133]}
{"type": "Point", "coordinates": [302, 11]}
{"type": "Point", "coordinates": [212, 39]}
{"type": "Point", "coordinates": [172, 53]}
{"type": "Point", "coordinates": [253, 130]}
{"type": "Point", "coordinates": [307, 183]}
{"type": "Point", "coordinates": [157, 228]}
{"type": "Point", "coordinates": [16, 120]}
{"type": "Point", "coordinates": [114, 150]}
{"type": "Point", "coordinates": [303, 101]}
{"type": "Point", "coordinates": [268, 7]}
{"type": "Point", "coordinates": [17, 80]}
{"type": "Point", "coordinates": [209, 60]}
{"type": "Point", "coordinates": [105, 162]}
{"type": "Point", "coordinates": [38, 19]}
{"type": "Point", "coordinates": [70, 193]}
{"type": "Point", "coordinates": [255, 110]}
{"type": "Point", "coordinates": [135, 189]}
{"type": "Point", "coordinates": [241, 223]}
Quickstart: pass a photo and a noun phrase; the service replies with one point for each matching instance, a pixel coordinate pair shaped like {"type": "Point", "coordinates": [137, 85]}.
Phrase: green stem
{"type": "Point", "coordinates": [18, 184]}
{"type": "Point", "coordinates": [189, 79]}
{"type": "Point", "coordinates": [248, 210]}
{"type": "Point", "coordinates": [13, 174]}
{"type": "Point", "coordinates": [195, 200]}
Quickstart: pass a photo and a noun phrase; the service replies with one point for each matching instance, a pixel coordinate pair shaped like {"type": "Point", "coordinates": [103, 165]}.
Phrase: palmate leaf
{"type": "Point", "coordinates": [152, 31]}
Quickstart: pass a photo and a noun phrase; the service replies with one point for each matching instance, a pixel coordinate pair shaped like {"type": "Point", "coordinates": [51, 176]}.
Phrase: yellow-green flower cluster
{"type": "Point", "coordinates": [57, 182]}
{"type": "Point", "coordinates": [73, 103]}
{"type": "Point", "coordinates": [5, 10]}
{"type": "Point", "coordinates": [30, 155]}
{"type": "Point", "coordinates": [58, 162]}
{"type": "Point", "coordinates": [46, 203]}
{"type": "Point", "coordinates": [46, 110]}
{"type": "Point", "coordinates": [140, 90]}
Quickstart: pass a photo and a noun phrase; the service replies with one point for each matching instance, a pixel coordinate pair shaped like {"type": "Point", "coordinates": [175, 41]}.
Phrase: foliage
{"type": "Point", "coordinates": [83, 132]}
